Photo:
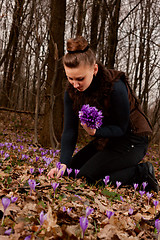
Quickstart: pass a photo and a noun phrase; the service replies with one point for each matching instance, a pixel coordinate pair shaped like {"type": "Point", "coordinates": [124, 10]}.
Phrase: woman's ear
{"type": "Point", "coordinates": [95, 69]}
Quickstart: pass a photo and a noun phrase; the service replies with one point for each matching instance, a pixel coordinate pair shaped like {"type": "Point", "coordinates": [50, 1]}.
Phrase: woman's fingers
{"type": "Point", "coordinates": [54, 171]}
{"type": "Point", "coordinates": [62, 169]}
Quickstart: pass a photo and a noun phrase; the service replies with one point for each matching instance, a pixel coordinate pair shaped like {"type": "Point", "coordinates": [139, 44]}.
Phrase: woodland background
{"type": "Point", "coordinates": [123, 33]}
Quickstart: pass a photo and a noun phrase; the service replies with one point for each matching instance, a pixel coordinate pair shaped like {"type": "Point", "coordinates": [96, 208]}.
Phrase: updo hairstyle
{"type": "Point", "coordinates": [78, 52]}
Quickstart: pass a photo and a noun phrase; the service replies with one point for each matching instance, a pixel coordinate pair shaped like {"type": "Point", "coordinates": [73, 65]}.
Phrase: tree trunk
{"type": "Point", "coordinates": [10, 54]}
{"type": "Point", "coordinates": [94, 24]}
{"type": "Point", "coordinates": [57, 29]}
{"type": "Point", "coordinates": [80, 18]}
{"type": "Point", "coordinates": [114, 9]}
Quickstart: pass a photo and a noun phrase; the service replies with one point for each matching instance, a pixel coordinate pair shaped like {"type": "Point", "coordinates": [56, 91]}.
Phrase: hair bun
{"type": "Point", "coordinates": [78, 44]}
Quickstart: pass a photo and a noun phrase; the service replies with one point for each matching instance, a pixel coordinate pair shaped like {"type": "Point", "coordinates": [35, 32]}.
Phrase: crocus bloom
{"type": "Point", "coordinates": [62, 172]}
{"type": "Point", "coordinates": [122, 198]}
{"type": "Point", "coordinates": [157, 225]}
{"type": "Point", "coordinates": [6, 155]}
{"type": "Point", "coordinates": [106, 179]}
{"type": "Point", "coordinates": [58, 165]}
{"type": "Point", "coordinates": [76, 172]}
{"type": "Point", "coordinates": [90, 116]}
{"type": "Point", "coordinates": [155, 202]}
{"type": "Point", "coordinates": [37, 158]}
{"type": "Point", "coordinates": [42, 217]}
{"type": "Point", "coordinates": [144, 184]}
{"type": "Point", "coordinates": [69, 210]}
{"type": "Point", "coordinates": [32, 184]}
{"type": "Point", "coordinates": [149, 195]}
{"type": "Point", "coordinates": [83, 224]}
{"type": "Point", "coordinates": [5, 203]}
{"type": "Point", "coordinates": [135, 186]}
{"type": "Point", "coordinates": [8, 232]}
{"type": "Point", "coordinates": [28, 237]}
{"type": "Point", "coordinates": [69, 170]}
{"type": "Point", "coordinates": [31, 170]}
{"type": "Point", "coordinates": [40, 170]}
{"type": "Point", "coordinates": [141, 193]}
{"type": "Point", "coordinates": [118, 184]}
{"type": "Point", "coordinates": [109, 214]}
{"type": "Point", "coordinates": [130, 211]}
{"type": "Point", "coordinates": [13, 199]}
{"type": "Point", "coordinates": [64, 209]}
{"type": "Point", "coordinates": [89, 211]}
{"type": "Point", "coordinates": [54, 185]}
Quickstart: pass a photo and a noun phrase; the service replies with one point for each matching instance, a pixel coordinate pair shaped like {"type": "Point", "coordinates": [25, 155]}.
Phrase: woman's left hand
{"type": "Point", "coordinates": [89, 130]}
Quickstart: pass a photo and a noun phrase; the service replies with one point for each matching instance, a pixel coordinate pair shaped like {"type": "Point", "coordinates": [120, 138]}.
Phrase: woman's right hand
{"type": "Point", "coordinates": [55, 171]}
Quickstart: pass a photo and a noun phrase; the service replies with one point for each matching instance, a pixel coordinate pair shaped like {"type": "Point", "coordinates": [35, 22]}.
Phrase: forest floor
{"type": "Point", "coordinates": [134, 216]}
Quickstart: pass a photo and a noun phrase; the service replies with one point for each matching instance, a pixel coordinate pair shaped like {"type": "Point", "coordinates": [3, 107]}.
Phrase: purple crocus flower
{"type": "Point", "coordinates": [89, 211]}
{"type": "Point", "coordinates": [144, 184]}
{"type": "Point", "coordinates": [141, 193]}
{"type": "Point", "coordinates": [83, 224]}
{"type": "Point", "coordinates": [106, 180]}
{"type": "Point", "coordinates": [118, 184]}
{"type": "Point", "coordinates": [69, 170]}
{"type": "Point", "coordinates": [31, 170]}
{"type": "Point", "coordinates": [8, 232]}
{"type": "Point", "coordinates": [28, 237]}
{"type": "Point", "coordinates": [40, 170]}
{"type": "Point", "coordinates": [37, 158]}
{"type": "Point", "coordinates": [5, 203]}
{"type": "Point", "coordinates": [58, 165]}
{"type": "Point", "coordinates": [13, 199]}
{"type": "Point", "coordinates": [32, 184]}
{"type": "Point", "coordinates": [55, 186]}
{"type": "Point", "coordinates": [135, 186]}
{"type": "Point", "coordinates": [76, 172]}
{"type": "Point", "coordinates": [130, 212]}
{"type": "Point", "coordinates": [157, 225]}
{"type": "Point", "coordinates": [42, 217]}
{"type": "Point", "coordinates": [64, 209]}
{"type": "Point", "coordinates": [155, 202]}
{"type": "Point", "coordinates": [90, 116]}
{"type": "Point", "coordinates": [121, 198]}
{"type": "Point", "coordinates": [69, 210]}
{"type": "Point", "coordinates": [109, 214]}
{"type": "Point", "coordinates": [149, 195]}
{"type": "Point", "coordinates": [62, 172]}
{"type": "Point", "coordinates": [6, 155]}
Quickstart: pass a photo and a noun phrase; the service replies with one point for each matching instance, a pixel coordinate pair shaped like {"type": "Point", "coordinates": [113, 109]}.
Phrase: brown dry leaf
{"type": "Point", "coordinates": [51, 219]}
{"type": "Point", "coordinates": [107, 232]}
{"type": "Point", "coordinates": [4, 237]}
{"type": "Point", "coordinates": [18, 228]}
{"type": "Point", "coordinates": [29, 207]}
{"type": "Point", "coordinates": [73, 230]}
{"type": "Point", "coordinates": [101, 207]}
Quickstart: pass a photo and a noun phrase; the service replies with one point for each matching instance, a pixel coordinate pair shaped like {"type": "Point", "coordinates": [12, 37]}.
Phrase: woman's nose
{"type": "Point", "coordinates": [75, 84]}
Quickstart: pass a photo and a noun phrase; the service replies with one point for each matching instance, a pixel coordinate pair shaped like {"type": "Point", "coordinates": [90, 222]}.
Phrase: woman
{"type": "Point", "coordinates": [121, 142]}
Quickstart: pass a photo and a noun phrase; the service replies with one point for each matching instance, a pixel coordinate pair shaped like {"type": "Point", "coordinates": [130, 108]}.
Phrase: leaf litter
{"type": "Point", "coordinates": [18, 155]}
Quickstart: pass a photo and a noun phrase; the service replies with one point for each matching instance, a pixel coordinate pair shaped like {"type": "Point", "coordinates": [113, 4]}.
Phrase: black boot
{"type": "Point", "coordinates": [151, 179]}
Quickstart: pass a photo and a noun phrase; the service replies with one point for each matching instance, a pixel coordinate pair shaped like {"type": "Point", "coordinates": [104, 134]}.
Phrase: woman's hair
{"type": "Point", "coordinates": [78, 52]}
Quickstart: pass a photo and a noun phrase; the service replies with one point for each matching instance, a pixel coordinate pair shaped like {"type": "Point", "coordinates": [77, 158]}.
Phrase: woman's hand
{"type": "Point", "coordinates": [89, 130]}
{"type": "Point", "coordinates": [55, 170]}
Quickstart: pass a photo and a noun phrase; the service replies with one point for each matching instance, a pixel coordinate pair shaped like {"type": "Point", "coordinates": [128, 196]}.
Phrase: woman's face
{"type": "Point", "coordinates": [81, 76]}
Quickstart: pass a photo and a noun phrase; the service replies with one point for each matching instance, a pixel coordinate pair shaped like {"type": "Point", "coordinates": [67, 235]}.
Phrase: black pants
{"type": "Point", "coordinates": [119, 159]}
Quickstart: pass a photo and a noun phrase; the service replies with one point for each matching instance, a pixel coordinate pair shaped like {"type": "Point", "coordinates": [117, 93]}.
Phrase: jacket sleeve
{"type": "Point", "coordinates": [70, 131]}
{"type": "Point", "coordinates": [119, 113]}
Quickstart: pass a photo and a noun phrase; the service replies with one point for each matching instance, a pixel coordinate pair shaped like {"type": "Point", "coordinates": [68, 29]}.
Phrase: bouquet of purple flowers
{"type": "Point", "coordinates": [90, 116]}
